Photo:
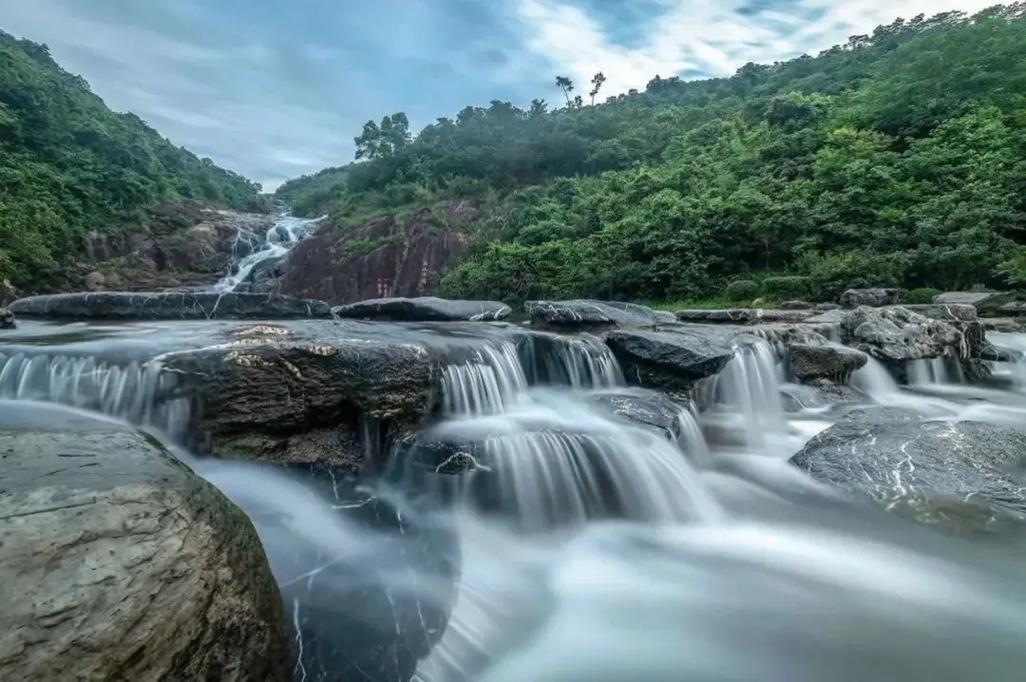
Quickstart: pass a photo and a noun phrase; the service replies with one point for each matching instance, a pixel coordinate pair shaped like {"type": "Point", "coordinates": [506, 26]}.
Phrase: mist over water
{"type": "Point", "coordinates": [582, 545]}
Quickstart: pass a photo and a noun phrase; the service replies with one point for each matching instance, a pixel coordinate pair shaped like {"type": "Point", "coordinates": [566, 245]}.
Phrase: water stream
{"type": "Point", "coordinates": [582, 545]}
{"type": "Point", "coordinates": [279, 239]}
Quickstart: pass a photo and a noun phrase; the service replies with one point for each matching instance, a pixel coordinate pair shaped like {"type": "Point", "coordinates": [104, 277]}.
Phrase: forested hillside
{"type": "Point", "coordinates": [69, 165]}
{"type": "Point", "coordinates": [898, 158]}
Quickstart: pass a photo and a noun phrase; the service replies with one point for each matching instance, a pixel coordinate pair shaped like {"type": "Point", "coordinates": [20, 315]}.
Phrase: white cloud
{"type": "Point", "coordinates": [711, 38]}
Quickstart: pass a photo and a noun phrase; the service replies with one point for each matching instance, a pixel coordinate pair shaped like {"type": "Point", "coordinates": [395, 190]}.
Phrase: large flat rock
{"type": "Point", "coordinates": [424, 309]}
{"type": "Point", "coordinates": [949, 472]}
{"type": "Point", "coordinates": [744, 315]}
{"type": "Point", "coordinates": [169, 306]}
{"type": "Point", "coordinates": [987, 303]}
{"type": "Point", "coordinates": [591, 315]}
{"type": "Point", "coordinates": [671, 359]}
{"type": "Point", "coordinates": [118, 563]}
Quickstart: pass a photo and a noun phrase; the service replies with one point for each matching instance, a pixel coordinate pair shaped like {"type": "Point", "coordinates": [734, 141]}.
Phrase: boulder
{"type": "Point", "coordinates": [874, 297]}
{"type": "Point", "coordinates": [953, 473]}
{"type": "Point", "coordinates": [743, 315]}
{"type": "Point", "coordinates": [169, 306]}
{"type": "Point", "coordinates": [671, 360]}
{"type": "Point", "coordinates": [829, 361]}
{"type": "Point", "coordinates": [94, 281]}
{"type": "Point", "coordinates": [795, 305]}
{"type": "Point", "coordinates": [896, 334]}
{"type": "Point", "coordinates": [7, 319]}
{"type": "Point", "coordinates": [307, 394]}
{"type": "Point", "coordinates": [119, 563]}
{"type": "Point", "coordinates": [650, 409]}
{"type": "Point", "coordinates": [987, 303]}
{"type": "Point", "coordinates": [826, 307]}
{"type": "Point", "coordinates": [423, 309]}
{"type": "Point", "coordinates": [592, 315]}
{"type": "Point", "coordinates": [958, 312]}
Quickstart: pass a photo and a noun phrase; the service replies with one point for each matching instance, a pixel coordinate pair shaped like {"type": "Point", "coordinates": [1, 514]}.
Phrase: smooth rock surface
{"type": "Point", "coordinates": [743, 315]}
{"type": "Point", "coordinates": [671, 360]}
{"type": "Point", "coordinates": [169, 306]}
{"type": "Point", "coordinates": [424, 309]}
{"type": "Point", "coordinates": [987, 303]}
{"type": "Point", "coordinates": [832, 361]}
{"type": "Point", "coordinates": [118, 563]}
{"type": "Point", "coordinates": [651, 409]}
{"type": "Point", "coordinates": [588, 314]}
{"type": "Point", "coordinates": [874, 297]}
{"type": "Point", "coordinates": [958, 474]}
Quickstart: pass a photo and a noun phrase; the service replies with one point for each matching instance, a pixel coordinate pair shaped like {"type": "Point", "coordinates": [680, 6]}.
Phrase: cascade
{"type": "Point", "coordinates": [492, 380]}
{"type": "Point", "coordinates": [935, 371]}
{"type": "Point", "coordinates": [140, 393]}
{"type": "Point", "coordinates": [278, 241]}
{"type": "Point", "coordinates": [1016, 345]}
{"type": "Point", "coordinates": [582, 361]}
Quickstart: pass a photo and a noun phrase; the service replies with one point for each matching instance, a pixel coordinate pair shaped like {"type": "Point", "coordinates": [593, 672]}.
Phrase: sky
{"type": "Point", "coordinates": [274, 89]}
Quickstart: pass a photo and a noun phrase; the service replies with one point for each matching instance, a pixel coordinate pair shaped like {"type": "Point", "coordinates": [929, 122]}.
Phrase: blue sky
{"type": "Point", "coordinates": [277, 88]}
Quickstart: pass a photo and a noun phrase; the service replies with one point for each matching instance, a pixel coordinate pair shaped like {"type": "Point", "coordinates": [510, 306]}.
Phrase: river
{"type": "Point", "coordinates": [587, 547]}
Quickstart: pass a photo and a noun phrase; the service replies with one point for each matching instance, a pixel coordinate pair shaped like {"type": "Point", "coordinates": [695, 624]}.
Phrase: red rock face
{"type": "Point", "coordinates": [384, 258]}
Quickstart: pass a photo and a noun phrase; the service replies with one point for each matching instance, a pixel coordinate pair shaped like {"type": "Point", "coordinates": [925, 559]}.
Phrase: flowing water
{"type": "Point", "coordinates": [279, 239]}
{"type": "Point", "coordinates": [582, 544]}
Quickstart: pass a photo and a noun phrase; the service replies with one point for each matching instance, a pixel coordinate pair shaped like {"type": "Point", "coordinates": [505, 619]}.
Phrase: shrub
{"type": "Point", "coordinates": [742, 290]}
{"type": "Point", "coordinates": [921, 295]}
{"type": "Point", "coordinates": [786, 287]}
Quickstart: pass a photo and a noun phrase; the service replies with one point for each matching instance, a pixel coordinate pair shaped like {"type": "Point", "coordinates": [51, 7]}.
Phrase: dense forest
{"type": "Point", "coordinates": [69, 165]}
{"type": "Point", "coordinates": [898, 158]}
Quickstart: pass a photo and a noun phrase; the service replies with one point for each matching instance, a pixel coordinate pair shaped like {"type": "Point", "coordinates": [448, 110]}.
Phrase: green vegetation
{"type": "Point", "coordinates": [742, 291]}
{"type": "Point", "coordinates": [897, 159]}
{"type": "Point", "coordinates": [69, 165]}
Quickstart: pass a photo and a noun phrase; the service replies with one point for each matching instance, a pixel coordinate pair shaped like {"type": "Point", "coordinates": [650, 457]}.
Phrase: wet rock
{"type": "Point", "coordinates": [7, 320]}
{"type": "Point", "coordinates": [987, 303]}
{"type": "Point", "coordinates": [743, 315]}
{"type": "Point", "coordinates": [119, 563]}
{"type": "Point", "coordinates": [824, 361]}
{"type": "Point", "coordinates": [873, 297]}
{"type": "Point", "coordinates": [168, 306]}
{"type": "Point", "coordinates": [819, 393]}
{"type": "Point", "coordinates": [307, 394]}
{"type": "Point", "coordinates": [825, 307]}
{"type": "Point", "coordinates": [1004, 324]}
{"type": "Point", "coordinates": [958, 312]}
{"type": "Point", "coordinates": [650, 409]}
{"type": "Point", "coordinates": [261, 278]}
{"type": "Point", "coordinates": [795, 305]}
{"type": "Point", "coordinates": [671, 360]}
{"type": "Point", "coordinates": [593, 315]}
{"type": "Point", "coordinates": [957, 474]}
{"type": "Point", "coordinates": [895, 333]}
{"type": "Point", "coordinates": [424, 309]}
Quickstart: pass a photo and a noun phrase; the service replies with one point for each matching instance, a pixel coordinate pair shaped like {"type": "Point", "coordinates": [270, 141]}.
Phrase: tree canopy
{"type": "Point", "coordinates": [898, 158]}
{"type": "Point", "coordinates": [69, 165]}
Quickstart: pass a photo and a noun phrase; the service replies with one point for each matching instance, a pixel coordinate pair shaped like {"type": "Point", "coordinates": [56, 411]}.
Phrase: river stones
{"type": "Point", "coordinates": [117, 562]}
{"type": "Point", "coordinates": [650, 409]}
{"type": "Point", "coordinates": [873, 297]}
{"type": "Point", "coordinates": [671, 359]}
{"type": "Point", "coordinates": [424, 309]}
{"type": "Point", "coordinates": [827, 361]}
{"type": "Point", "coordinates": [987, 303]}
{"type": "Point", "coordinates": [593, 315]}
{"type": "Point", "coordinates": [7, 319]}
{"type": "Point", "coordinates": [895, 333]}
{"type": "Point", "coordinates": [169, 306]}
{"type": "Point", "coordinates": [954, 473]}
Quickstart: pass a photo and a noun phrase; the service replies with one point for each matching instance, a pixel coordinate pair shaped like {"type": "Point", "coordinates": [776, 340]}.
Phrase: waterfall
{"type": "Point", "coordinates": [278, 241]}
{"type": "Point", "coordinates": [935, 371]}
{"type": "Point", "coordinates": [139, 393]}
{"type": "Point", "coordinates": [582, 361]}
{"type": "Point", "coordinates": [492, 380]}
{"type": "Point", "coordinates": [1016, 345]}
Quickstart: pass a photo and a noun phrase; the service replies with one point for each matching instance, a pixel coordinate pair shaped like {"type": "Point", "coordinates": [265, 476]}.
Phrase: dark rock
{"type": "Point", "coordinates": [1004, 324]}
{"type": "Point", "coordinates": [305, 395]}
{"type": "Point", "coordinates": [825, 307]}
{"type": "Point", "coordinates": [261, 279]}
{"type": "Point", "coordinates": [874, 297]}
{"type": "Point", "coordinates": [650, 409]}
{"type": "Point", "coordinates": [671, 360]}
{"type": "Point", "coordinates": [936, 471]}
{"type": "Point", "coordinates": [424, 309]}
{"type": "Point", "coordinates": [834, 362]}
{"type": "Point", "coordinates": [119, 563]}
{"type": "Point", "coordinates": [7, 320]}
{"type": "Point", "coordinates": [169, 306]}
{"type": "Point", "coordinates": [743, 315]}
{"type": "Point", "coordinates": [94, 281]}
{"type": "Point", "coordinates": [795, 305]}
{"type": "Point", "coordinates": [592, 315]}
{"type": "Point", "coordinates": [895, 333]}
{"type": "Point", "coordinates": [987, 303]}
